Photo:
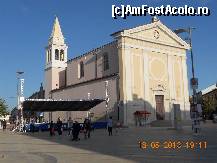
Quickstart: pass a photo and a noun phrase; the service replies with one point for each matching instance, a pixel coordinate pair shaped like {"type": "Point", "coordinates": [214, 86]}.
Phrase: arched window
{"type": "Point", "coordinates": [47, 56]}
{"type": "Point", "coordinates": [105, 61]}
{"type": "Point", "coordinates": [56, 54]}
{"type": "Point", "coordinates": [50, 55]}
{"type": "Point", "coordinates": [61, 55]}
{"type": "Point", "coordinates": [81, 69]}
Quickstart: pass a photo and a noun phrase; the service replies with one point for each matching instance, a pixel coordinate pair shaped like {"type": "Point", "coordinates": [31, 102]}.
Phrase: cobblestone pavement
{"type": "Point", "coordinates": [121, 147]}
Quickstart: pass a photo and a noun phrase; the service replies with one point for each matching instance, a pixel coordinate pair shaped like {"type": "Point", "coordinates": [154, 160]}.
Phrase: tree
{"type": "Point", "coordinates": [209, 105]}
{"type": "Point", "coordinates": [3, 107]}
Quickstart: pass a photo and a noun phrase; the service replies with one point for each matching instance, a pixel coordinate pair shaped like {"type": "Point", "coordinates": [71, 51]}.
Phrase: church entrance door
{"type": "Point", "coordinates": [160, 112]}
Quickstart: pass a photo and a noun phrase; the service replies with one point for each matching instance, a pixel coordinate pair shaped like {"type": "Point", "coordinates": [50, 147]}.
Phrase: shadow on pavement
{"type": "Point", "coordinates": [124, 144]}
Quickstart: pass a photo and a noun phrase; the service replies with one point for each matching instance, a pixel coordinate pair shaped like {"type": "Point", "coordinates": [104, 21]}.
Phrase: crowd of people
{"type": "Point", "coordinates": [74, 128]}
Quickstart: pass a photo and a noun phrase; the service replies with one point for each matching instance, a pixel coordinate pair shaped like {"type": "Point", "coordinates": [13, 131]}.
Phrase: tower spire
{"type": "Point", "coordinates": [56, 34]}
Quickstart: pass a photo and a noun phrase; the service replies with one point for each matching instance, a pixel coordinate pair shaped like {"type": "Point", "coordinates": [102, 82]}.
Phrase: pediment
{"type": "Point", "coordinates": [158, 33]}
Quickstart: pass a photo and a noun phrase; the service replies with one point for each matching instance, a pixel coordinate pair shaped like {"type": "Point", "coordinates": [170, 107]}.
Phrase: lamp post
{"type": "Point", "coordinates": [88, 112]}
{"type": "Point", "coordinates": [118, 94]}
{"type": "Point", "coordinates": [189, 31]}
{"type": "Point", "coordinates": [18, 73]}
{"type": "Point", "coordinates": [194, 81]}
{"type": "Point", "coordinates": [107, 99]}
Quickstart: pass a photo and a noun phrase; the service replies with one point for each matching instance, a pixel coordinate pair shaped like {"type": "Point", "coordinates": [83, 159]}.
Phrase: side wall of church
{"type": "Point", "coordinates": [96, 90]}
{"type": "Point", "coordinates": [93, 64]}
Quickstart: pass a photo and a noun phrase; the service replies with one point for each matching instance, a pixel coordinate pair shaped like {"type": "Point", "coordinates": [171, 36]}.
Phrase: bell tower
{"type": "Point", "coordinates": [56, 58]}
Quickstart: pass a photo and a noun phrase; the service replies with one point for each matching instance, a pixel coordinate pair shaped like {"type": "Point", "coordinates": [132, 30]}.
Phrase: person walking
{"type": "Point", "coordinates": [118, 125]}
{"type": "Point", "coordinates": [52, 133]}
{"type": "Point", "coordinates": [59, 126]}
{"type": "Point", "coordinates": [109, 125]}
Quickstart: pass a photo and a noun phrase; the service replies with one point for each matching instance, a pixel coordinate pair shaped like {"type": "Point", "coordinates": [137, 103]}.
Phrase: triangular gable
{"type": "Point", "coordinates": [156, 32]}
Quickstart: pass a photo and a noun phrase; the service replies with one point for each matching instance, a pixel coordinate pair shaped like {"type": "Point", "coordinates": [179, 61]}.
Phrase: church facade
{"type": "Point", "coordinates": [144, 68]}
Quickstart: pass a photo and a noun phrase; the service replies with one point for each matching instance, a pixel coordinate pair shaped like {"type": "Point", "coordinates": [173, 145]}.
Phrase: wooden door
{"type": "Point", "coordinates": [160, 112]}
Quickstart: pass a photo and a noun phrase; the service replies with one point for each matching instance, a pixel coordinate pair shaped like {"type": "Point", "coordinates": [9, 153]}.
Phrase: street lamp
{"type": "Point", "coordinates": [189, 31]}
{"type": "Point", "coordinates": [118, 96]}
{"type": "Point", "coordinates": [194, 81]}
{"type": "Point", "coordinates": [18, 73]}
{"type": "Point", "coordinates": [88, 98]}
{"type": "Point", "coordinates": [106, 98]}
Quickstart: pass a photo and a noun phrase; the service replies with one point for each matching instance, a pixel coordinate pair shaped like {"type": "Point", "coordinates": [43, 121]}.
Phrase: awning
{"type": "Point", "coordinates": [48, 105]}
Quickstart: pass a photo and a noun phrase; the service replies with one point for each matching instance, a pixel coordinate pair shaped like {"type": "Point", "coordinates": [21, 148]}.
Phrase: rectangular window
{"type": "Point", "coordinates": [79, 73]}
{"type": "Point", "coordinates": [81, 70]}
{"type": "Point", "coordinates": [105, 61]}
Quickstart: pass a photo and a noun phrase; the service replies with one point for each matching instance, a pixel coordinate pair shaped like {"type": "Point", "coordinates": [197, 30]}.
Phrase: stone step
{"type": "Point", "coordinates": [161, 123]}
{"type": "Point", "coordinates": [168, 123]}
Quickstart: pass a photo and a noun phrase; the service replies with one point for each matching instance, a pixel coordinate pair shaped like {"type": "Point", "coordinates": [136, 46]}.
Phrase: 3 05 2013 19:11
{"type": "Point", "coordinates": [172, 144]}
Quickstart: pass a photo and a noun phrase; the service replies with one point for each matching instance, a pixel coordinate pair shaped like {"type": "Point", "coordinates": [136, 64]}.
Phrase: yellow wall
{"type": "Point", "coordinates": [178, 77]}
{"type": "Point", "coordinates": [138, 74]}
{"type": "Point", "coordinates": [169, 77]}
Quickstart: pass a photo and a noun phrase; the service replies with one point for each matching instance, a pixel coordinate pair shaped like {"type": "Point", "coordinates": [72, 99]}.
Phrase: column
{"type": "Point", "coordinates": [170, 85]}
{"type": "Point", "coordinates": [146, 78]}
{"type": "Point", "coordinates": [128, 73]}
{"type": "Point", "coordinates": [186, 109]}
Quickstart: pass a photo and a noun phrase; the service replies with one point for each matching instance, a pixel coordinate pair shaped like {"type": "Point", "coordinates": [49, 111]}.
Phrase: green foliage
{"type": "Point", "coordinates": [3, 107]}
{"type": "Point", "coordinates": [209, 105]}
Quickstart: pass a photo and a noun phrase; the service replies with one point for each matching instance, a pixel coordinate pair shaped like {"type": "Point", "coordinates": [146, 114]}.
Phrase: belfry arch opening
{"type": "Point", "coordinates": [56, 54]}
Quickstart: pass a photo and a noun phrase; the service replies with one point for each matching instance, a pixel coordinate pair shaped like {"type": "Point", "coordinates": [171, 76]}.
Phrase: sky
{"type": "Point", "coordinates": [25, 26]}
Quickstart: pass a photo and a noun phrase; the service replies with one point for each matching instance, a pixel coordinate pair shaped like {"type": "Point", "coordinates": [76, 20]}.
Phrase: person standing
{"type": "Point", "coordinates": [76, 130]}
{"type": "Point", "coordinates": [70, 126]}
{"type": "Point", "coordinates": [109, 125]}
{"type": "Point", "coordinates": [87, 128]}
{"type": "Point", "coordinates": [32, 126]}
{"type": "Point", "coordinates": [4, 123]}
{"type": "Point", "coordinates": [52, 133]}
{"type": "Point", "coordinates": [59, 126]}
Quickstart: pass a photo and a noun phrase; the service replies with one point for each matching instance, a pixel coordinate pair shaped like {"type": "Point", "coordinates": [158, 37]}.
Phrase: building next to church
{"type": "Point", "coordinates": [208, 99]}
{"type": "Point", "coordinates": [143, 69]}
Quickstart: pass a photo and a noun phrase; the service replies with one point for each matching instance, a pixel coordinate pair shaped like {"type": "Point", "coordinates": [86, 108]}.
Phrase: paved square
{"type": "Point", "coordinates": [121, 147]}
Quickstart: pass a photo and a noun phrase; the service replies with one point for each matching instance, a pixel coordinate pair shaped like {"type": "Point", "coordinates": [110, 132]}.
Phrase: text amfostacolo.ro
{"type": "Point", "coordinates": [127, 10]}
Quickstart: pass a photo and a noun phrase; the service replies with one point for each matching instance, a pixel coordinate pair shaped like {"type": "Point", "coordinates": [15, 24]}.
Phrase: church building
{"type": "Point", "coordinates": [143, 69]}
